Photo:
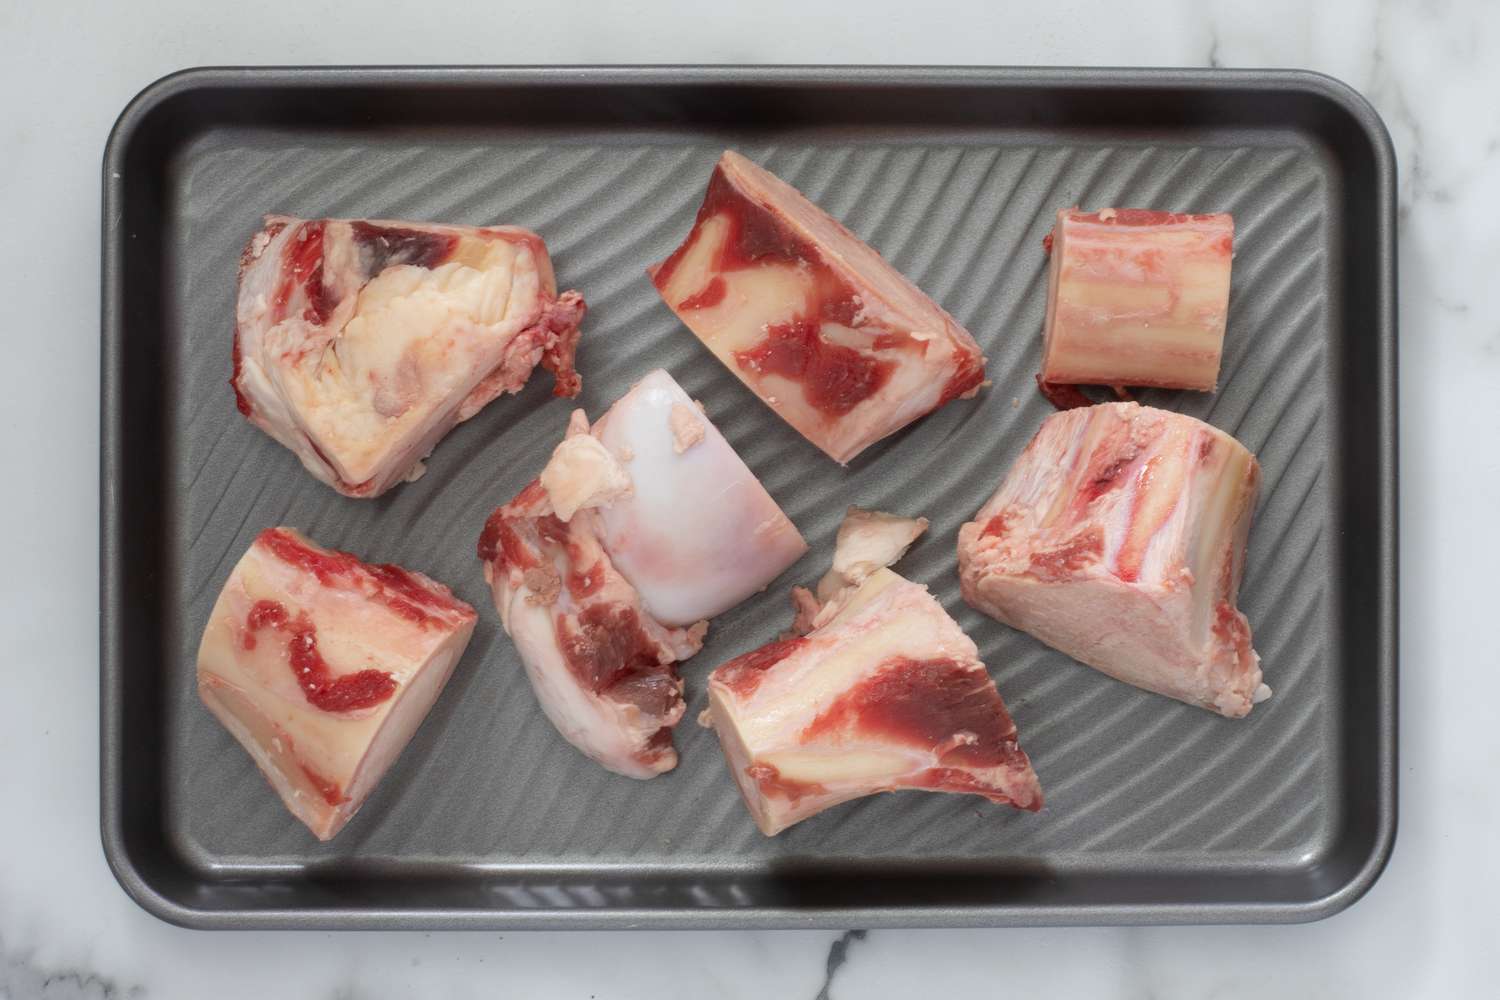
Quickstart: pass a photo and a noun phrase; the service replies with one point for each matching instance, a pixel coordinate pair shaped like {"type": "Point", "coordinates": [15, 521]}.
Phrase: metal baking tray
{"type": "Point", "coordinates": [1156, 811]}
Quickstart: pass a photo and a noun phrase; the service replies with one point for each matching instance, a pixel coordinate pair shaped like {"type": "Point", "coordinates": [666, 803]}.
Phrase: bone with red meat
{"type": "Point", "coordinates": [884, 692]}
{"type": "Point", "coordinates": [322, 667]}
{"type": "Point", "coordinates": [607, 567]}
{"type": "Point", "coordinates": [1137, 297]}
{"type": "Point", "coordinates": [359, 344]}
{"type": "Point", "coordinates": [814, 321]}
{"type": "Point", "coordinates": [1119, 538]}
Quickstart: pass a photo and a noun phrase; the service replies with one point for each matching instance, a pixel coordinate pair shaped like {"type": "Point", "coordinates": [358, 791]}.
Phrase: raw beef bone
{"type": "Point", "coordinates": [816, 323]}
{"type": "Point", "coordinates": [884, 692]}
{"type": "Point", "coordinates": [607, 567]}
{"type": "Point", "coordinates": [323, 667]}
{"type": "Point", "coordinates": [1136, 297]}
{"type": "Point", "coordinates": [359, 344]}
{"type": "Point", "coordinates": [1119, 538]}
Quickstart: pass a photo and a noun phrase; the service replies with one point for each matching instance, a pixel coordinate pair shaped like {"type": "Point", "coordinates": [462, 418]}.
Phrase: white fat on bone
{"type": "Point", "coordinates": [687, 427]}
{"type": "Point", "coordinates": [582, 472]}
{"type": "Point", "coordinates": [867, 540]}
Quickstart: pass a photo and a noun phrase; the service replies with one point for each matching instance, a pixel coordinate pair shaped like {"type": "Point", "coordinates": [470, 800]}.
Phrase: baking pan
{"type": "Point", "coordinates": [1156, 811]}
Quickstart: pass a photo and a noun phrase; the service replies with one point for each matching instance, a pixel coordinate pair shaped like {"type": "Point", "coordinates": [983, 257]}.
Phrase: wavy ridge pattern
{"type": "Point", "coordinates": [488, 785]}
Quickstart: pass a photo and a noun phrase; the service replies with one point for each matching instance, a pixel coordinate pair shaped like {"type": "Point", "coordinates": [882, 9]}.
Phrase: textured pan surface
{"type": "Point", "coordinates": [1155, 810]}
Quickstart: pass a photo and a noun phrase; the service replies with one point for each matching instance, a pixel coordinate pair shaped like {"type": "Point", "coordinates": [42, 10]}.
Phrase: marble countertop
{"type": "Point", "coordinates": [1425, 930]}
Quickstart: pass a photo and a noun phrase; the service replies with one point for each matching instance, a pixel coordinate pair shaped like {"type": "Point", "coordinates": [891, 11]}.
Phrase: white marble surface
{"type": "Point", "coordinates": [1429, 927]}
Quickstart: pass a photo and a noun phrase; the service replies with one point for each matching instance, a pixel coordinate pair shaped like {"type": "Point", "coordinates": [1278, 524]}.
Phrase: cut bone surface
{"type": "Point", "coordinates": [1119, 537]}
{"type": "Point", "coordinates": [885, 693]}
{"type": "Point", "coordinates": [811, 319]}
{"type": "Point", "coordinates": [323, 667]}
{"type": "Point", "coordinates": [360, 344]}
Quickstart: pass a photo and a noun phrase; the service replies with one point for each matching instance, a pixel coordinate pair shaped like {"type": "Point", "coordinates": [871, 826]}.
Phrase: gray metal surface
{"type": "Point", "coordinates": [1156, 811]}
